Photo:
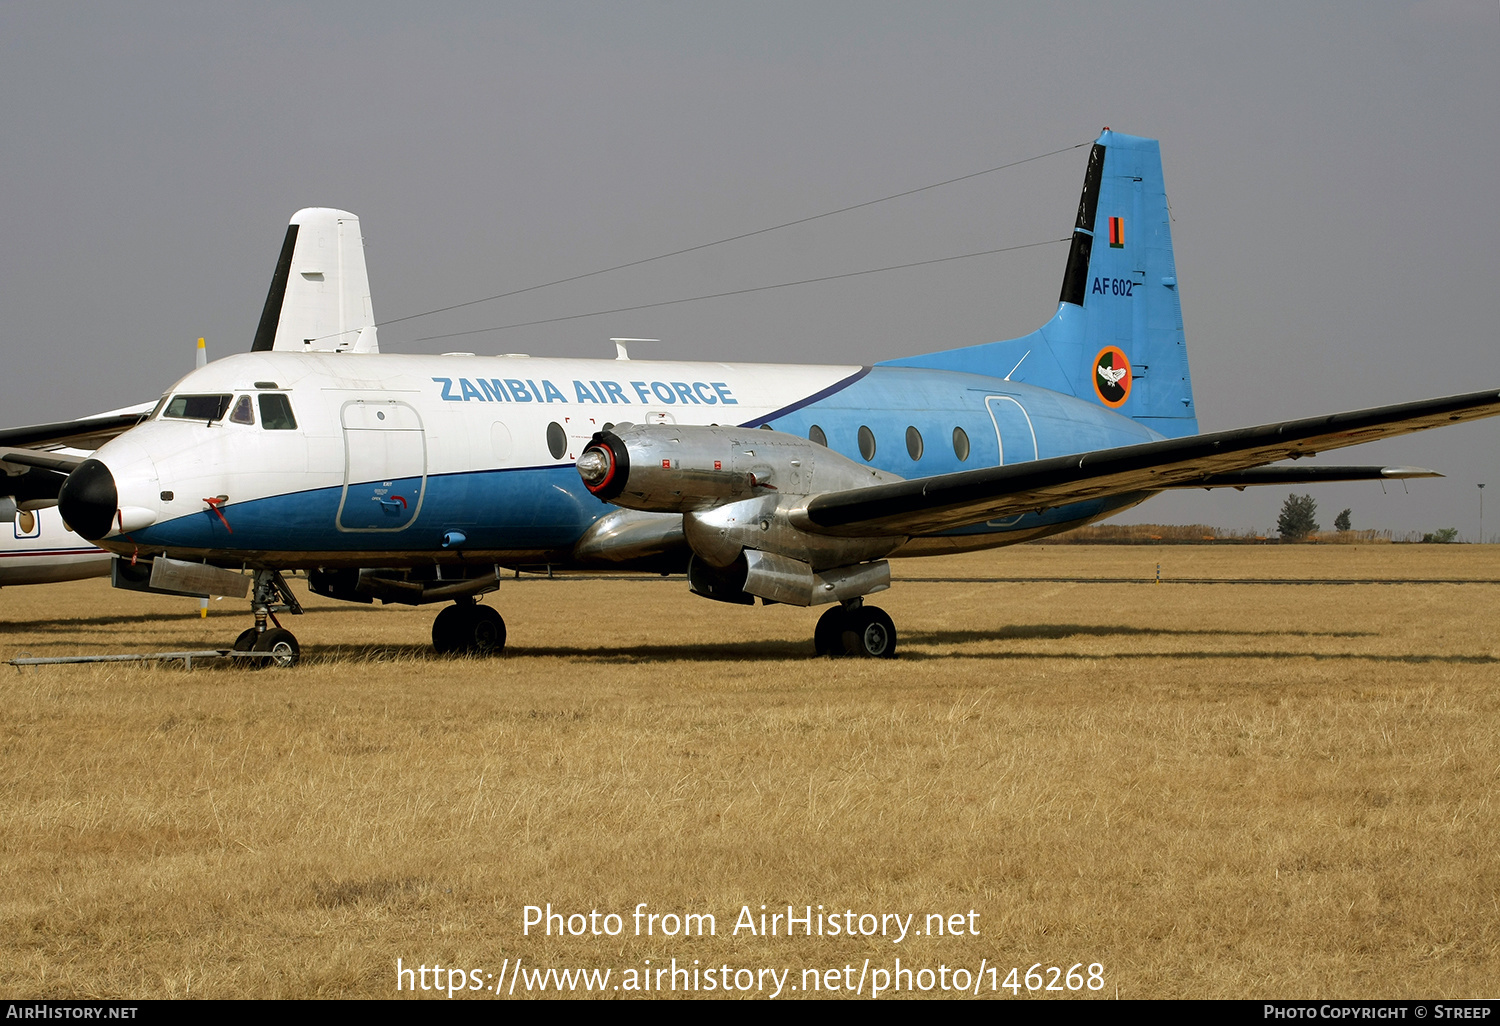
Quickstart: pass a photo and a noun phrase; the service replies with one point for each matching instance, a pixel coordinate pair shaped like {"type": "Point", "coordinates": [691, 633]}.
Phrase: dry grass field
{"type": "Point", "coordinates": [1252, 789]}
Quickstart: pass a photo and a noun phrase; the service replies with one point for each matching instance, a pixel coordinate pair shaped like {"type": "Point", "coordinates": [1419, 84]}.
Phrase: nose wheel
{"type": "Point", "coordinates": [279, 642]}
{"type": "Point", "coordinates": [857, 630]}
{"type": "Point", "coordinates": [270, 595]}
{"type": "Point", "coordinates": [467, 628]}
{"type": "Point", "coordinates": [281, 645]}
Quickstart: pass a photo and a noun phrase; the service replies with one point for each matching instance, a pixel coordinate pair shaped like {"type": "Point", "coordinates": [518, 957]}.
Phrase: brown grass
{"type": "Point", "coordinates": [1229, 790]}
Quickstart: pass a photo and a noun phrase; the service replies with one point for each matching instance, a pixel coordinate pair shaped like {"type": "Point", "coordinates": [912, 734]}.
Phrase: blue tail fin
{"type": "Point", "coordinates": [1117, 337]}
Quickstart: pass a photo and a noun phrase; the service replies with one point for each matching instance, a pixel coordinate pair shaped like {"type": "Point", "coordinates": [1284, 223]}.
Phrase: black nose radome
{"type": "Point", "coordinates": [88, 499]}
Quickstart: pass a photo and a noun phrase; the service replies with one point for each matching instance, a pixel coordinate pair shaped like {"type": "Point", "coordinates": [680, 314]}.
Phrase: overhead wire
{"type": "Point", "coordinates": [720, 242]}
{"type": "Point", "coordinates": [741, 292]}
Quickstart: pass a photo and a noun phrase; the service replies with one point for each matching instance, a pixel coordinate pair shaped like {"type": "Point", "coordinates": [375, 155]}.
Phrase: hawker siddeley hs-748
{"type": "Point", "coordinates": [417, 478]}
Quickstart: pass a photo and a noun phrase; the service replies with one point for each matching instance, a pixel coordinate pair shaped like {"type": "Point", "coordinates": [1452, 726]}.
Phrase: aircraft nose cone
{"type": "Point", "coordinates": [88, 499]}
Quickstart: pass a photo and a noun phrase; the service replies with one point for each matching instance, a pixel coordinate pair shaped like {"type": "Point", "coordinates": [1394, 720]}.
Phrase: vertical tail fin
{"type": "Point", "coordinates": [320, 294]}
{"type": "Point", "coordinates": [1117, 337]}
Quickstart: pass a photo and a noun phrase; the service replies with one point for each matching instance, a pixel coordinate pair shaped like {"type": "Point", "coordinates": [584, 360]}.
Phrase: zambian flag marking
{"type": "Point", "coordinates": [1116, 233]}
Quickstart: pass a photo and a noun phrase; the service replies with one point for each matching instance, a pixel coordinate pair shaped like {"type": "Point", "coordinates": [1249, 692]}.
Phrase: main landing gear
{"type": "Point", "coordinates": [270, 595]}
{"type": "Point", "coordinates": [855, 629]}
{"type": "Point", "coordinates": [468, 628]}
{"type": "Point", "coordinates": [463, 628]}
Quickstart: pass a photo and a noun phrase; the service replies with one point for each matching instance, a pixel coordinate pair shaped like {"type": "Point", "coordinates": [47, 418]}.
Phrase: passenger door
{"type": "Point", "coordinates": [385, 465]}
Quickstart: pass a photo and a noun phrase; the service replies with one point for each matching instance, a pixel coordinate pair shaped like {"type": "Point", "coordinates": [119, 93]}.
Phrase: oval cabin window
{"type": "Point", "coordinates": [960, 443]}
{"type": "Point", "coordinates": [557, 440]}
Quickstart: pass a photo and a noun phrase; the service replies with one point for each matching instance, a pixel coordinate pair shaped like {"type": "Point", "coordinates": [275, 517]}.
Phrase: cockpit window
{"type": "Point", "coordinates": [243, 412]}
{"type": "Point", "coordinates": [160, 405]}
{"type": "Point", "coordinates": [276, 413]}
{"type": "Point", "coordinates": [198, 407]}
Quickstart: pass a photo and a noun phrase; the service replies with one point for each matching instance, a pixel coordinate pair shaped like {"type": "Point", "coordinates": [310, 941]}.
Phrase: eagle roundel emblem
{"type": "Point", "coordinates": [1112, 376]}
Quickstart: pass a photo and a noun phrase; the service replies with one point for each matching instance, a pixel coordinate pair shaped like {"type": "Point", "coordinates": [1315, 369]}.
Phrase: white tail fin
{"type": "Point", "coordinates": [320, 294]}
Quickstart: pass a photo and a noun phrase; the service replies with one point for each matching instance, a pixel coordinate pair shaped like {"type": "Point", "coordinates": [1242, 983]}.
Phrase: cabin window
{"type": "Point", "coordinates": [960, 443]}
{"type": "Point", "coordinates": [276, 413]}
{"type": "Point", "coordinates": [914, 443]}
{"type": "Point", "coordinates": [244, 412]}
{"type": "Point", "coordinates": [198, 407]}
{"type": "Point", "coordinates": [866, 443]}
{"type": "Point", "coordinates": [557, 440]}
{"type": "Point", "coordinates": [815, 434]}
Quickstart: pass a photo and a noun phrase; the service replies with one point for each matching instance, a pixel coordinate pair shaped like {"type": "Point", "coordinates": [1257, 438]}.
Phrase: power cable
{"type": "Point", "coordinates": [742, 292]}
{"type": "Point", "coordinates": [732, 238]}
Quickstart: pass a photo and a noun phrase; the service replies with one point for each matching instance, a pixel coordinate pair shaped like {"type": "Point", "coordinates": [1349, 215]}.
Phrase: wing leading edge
{"type": "Point", "coordinates": [1221, 459]}
{"type": "Point", "coordinates": [85, 433]}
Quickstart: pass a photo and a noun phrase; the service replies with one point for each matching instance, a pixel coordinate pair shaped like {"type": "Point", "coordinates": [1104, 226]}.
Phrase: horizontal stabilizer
{"type": "Point", "coordinates": [931, 504]}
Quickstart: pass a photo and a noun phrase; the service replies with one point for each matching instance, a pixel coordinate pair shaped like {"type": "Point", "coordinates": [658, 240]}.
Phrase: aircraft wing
{"type": "Point", "coordinates": [40, 459]}
{"type": "Point", "coordinates": [931, 504]}
{"type": "Point", "coordinates": [86, 433]}
{"type": "Point", "coordinates": [35, 448]}
{"type": "Point", "coordinates": [1284, 475]}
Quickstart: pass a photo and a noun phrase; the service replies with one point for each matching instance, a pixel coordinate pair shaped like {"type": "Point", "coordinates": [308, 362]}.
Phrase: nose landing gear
{"type": "Point", "coordinates": [271, 595]}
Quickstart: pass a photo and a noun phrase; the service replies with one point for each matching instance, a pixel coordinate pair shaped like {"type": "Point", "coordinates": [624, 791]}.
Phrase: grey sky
{"type": "Point", "coordinates": [1331, 169]}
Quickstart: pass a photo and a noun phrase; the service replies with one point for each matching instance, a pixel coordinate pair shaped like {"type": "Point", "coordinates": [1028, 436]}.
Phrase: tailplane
{"type": "Point", "coordinates": [1117, 336]}
{"type": "Point", "coordinates": [319, 300]}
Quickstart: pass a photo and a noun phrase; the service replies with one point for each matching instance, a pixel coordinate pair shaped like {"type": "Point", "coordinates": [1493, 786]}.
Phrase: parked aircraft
{"type": "Point", "coordinates": [39, 548]}
{"type": "Point", "coordinates": [36, 547]}
{"type": "Point", "coordinates": [416, 478]}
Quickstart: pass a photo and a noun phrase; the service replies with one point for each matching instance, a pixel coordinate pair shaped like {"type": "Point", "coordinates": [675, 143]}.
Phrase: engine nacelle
{"type": "Point", "coordinates": [683, 468]}
{"type": "Point", "coordinates": [739, 491]}
{"type": "Point", "coordinates": [777, 578]}
{"type": "Point", "coordinates": [766, 524]}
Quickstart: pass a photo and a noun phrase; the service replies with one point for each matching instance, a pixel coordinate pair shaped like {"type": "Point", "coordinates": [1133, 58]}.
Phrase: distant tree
{"type": "Point", "coordinates": [1442, 536]}
{"type": "Point", "coordinates": [1297, 518]}
{"type": "Point", "coordinates": [1341, 522]}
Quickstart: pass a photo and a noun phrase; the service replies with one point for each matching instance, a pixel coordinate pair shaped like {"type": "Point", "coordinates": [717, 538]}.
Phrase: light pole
{"type": "Point", "coordinates": [1481, 514]}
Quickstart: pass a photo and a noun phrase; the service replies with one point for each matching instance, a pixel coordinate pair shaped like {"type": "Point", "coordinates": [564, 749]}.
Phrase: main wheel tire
{"type": "Point", "coordinates": [246, 641]}
{"type": "Point", "coordinates": [870, 633]}
{"type": "Point", "coordinates": [486, 632]}
{"type": "Point", "coordinates": [282, 645]}
{"type": "Point", "coordinates": [828, 635]}
{"type": "Point", "coordinates": [449, 628]}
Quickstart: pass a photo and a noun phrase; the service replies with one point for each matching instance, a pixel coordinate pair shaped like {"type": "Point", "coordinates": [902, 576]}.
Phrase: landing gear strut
{"type": "Point", "coordinates": [469, 628]}
{"type": "Point", "coordinates": [270, 596]}
{"type": "Point", "coordinates": [855, 629]}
